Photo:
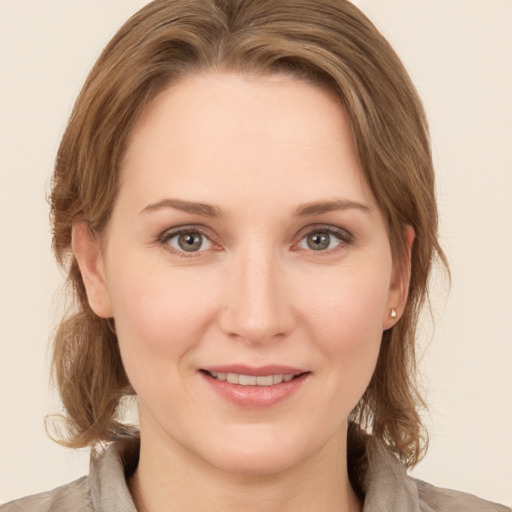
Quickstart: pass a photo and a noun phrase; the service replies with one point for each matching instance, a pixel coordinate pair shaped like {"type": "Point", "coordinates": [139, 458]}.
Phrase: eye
{"type": "Point", "coordinates": [189, 240]}
{"type": "Point", "coordinates": [324, 239]}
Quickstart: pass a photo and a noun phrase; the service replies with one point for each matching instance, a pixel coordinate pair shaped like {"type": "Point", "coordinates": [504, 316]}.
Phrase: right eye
{"type": "Point", "coordinates": [187, 240]}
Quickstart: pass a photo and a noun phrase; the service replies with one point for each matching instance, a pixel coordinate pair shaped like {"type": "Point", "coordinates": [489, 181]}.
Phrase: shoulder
{"type": "Point", "coordinates": [104, 489]}
{"type": "Point", "coordinates": [73, 496]}
{"type": "Point", "coordinates": [385, 485]}
{"type": "Point", "coordinates": [437, 499]}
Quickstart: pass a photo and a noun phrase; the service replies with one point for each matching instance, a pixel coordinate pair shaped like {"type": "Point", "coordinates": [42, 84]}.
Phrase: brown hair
{"type": "Point", "coordinates": [326, 42]}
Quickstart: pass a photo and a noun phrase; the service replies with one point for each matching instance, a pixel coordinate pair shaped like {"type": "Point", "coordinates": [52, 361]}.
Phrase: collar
{"type": "Point", "coordinates": [108, 477]}
{"type": "Point", "coordinates": [386, 484]}
{"type": "Point", "coordinates": [382, 480]}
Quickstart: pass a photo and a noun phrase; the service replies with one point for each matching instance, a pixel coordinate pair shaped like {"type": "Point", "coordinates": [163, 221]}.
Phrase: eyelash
{"type": "Point", "coordinates": [344, 237]}
{"type": "Point", "coordinates": [168, 235]}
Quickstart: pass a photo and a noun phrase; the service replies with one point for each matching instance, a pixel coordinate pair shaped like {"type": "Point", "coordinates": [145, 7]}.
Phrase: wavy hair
{"type": "Point", "coordinates": [329, 43]}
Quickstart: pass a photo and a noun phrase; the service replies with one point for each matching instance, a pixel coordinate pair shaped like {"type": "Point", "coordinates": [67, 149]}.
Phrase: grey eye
{"type": "Point", "coordinates": [318, 241]}
{"type": "Point", "coordinates": [324, 239]}
{"type": "Point", "coordinates": [189, 241]}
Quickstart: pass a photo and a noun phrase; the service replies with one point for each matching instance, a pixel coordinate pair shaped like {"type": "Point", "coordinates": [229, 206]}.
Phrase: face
{"type": "Point", "coordinates": [248, 270]}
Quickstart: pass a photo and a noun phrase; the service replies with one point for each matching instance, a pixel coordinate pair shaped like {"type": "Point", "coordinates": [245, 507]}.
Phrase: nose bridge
{"type": "Point", "coordinates": [257, 308]}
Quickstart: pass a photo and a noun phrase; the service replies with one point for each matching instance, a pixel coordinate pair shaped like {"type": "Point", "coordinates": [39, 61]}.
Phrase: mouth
{"type": "Point", "coordinates": [254, 380]}
{"type": "Point", "coordinates": [255, 388]}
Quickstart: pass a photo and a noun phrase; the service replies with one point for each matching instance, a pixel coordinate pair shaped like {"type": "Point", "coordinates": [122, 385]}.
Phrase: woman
{"type": "Point", "coordinates": [244, 200]}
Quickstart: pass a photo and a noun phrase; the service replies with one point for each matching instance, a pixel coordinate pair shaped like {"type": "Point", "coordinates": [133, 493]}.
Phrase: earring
{"type": "Point", "coordinates": [393, 313]}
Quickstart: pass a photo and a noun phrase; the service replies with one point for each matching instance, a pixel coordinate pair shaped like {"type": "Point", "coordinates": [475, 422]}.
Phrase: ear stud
{"type": "Point", "coordinates": [393, 313]}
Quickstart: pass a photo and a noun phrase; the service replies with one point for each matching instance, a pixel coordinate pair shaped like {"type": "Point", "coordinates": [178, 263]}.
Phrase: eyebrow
{"type": "Point", "coordinates": [330, 206]}
{"type": "Point", "coordinates": [304, 210]}
{"type": "Point", "coordinates": [204, 210]}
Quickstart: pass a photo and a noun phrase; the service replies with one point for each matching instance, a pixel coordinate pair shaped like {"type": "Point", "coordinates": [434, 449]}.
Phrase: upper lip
{"type": "Point", "coordinates": [260, 371]}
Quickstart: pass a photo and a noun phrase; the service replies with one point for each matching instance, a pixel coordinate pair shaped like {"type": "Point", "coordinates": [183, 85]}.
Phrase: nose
{"type": "Point", "coordinates": [257, 305]}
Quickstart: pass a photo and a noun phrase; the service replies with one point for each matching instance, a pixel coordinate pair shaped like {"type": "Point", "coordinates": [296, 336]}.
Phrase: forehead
{"type": "Point", "coordinates": [233, 130]}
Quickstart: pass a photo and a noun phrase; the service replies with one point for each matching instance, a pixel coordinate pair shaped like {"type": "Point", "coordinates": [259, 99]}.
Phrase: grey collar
{"type": "Point", "coordinates": [384, 482]}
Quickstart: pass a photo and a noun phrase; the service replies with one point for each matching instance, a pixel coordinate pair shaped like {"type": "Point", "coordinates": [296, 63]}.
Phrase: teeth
{"type": "Point", "coordinates": [232, 378]}
{"type": "Point", "coordinates": [252, 380]}
{"type": "Point", "coordinates": [247, 380]}
{"type": "Point", "coordinates": [266, 380]}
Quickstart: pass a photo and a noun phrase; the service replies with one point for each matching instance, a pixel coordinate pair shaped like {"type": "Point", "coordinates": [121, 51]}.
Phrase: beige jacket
{"type": "Point", "coordinates": [384, 484]}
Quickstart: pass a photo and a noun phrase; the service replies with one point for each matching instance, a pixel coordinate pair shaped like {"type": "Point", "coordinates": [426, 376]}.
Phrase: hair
{"type": "Point", "coordinates": [329, 43]}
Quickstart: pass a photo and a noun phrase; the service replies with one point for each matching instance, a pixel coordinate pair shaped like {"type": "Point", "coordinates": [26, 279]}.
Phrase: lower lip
{"type": "Point", "coordinates": [255, 397]}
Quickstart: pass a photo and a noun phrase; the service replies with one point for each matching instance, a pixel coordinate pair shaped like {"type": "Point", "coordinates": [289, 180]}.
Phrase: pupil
{"type": "Point", "coordinates": [190, 242]}
{"type": "Point", "coordinates": [319, 241]}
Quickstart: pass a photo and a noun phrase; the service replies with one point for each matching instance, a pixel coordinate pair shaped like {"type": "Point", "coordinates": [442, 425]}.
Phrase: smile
{"type": "Point", "coordinates": [240, 387]}
{"type": "Point", "coordinates": [253, 387]}
{"type": "Point", "coordinates": [253, 380]}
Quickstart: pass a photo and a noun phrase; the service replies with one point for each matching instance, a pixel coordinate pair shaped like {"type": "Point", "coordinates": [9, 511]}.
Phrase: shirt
{"type": "Point", "coordinates": [384, 486]}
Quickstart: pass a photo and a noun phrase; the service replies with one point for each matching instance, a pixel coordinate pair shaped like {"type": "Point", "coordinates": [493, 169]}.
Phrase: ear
{"type": "Point", "coordinates": [399, 286]}
{"type": "Point", "coordinates": [87, 252]}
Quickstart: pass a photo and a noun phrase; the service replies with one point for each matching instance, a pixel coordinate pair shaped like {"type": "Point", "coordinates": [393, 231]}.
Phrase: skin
{"type": "Point", "coordinates": [257, 292]}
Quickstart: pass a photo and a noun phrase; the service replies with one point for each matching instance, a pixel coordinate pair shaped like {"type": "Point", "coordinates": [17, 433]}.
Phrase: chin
{"type": "Point", "coordinates": [254, 454]}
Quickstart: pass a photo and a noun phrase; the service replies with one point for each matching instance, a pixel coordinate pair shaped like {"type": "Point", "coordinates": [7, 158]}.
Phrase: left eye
{"type": "Point", "coordinates": [189, 241]}
{"type": "Point", "coordinates": [321, 240]}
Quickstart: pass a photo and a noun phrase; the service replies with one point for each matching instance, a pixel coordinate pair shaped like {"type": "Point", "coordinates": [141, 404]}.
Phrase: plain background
{"type": "Point", "coordinates": [459, 53]}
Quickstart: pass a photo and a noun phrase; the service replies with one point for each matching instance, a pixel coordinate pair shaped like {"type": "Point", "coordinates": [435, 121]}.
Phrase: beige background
{"type": "Point", "coordinates": [459, 53]}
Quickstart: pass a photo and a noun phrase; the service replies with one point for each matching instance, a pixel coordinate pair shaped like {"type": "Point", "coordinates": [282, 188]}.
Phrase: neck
{"type": "Point", "coordinates": [169, 478]}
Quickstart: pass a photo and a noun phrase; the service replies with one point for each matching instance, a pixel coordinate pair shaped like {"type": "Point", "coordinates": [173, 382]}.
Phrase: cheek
{"type": "Point", "coordinates": [346, 323]}
{"type": "Point", "coordinates": [160, 320]}
{"type": "Point", "coordinates": [349, 307]}
{"type": "Point", "coordinates": [158, 315]}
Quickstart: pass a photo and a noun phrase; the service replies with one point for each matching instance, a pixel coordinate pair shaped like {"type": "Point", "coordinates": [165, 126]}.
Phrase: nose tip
{"type": "Point", "coordinates": [253, 329]}
{"type": "Point", "coordinates": [257, 331]}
